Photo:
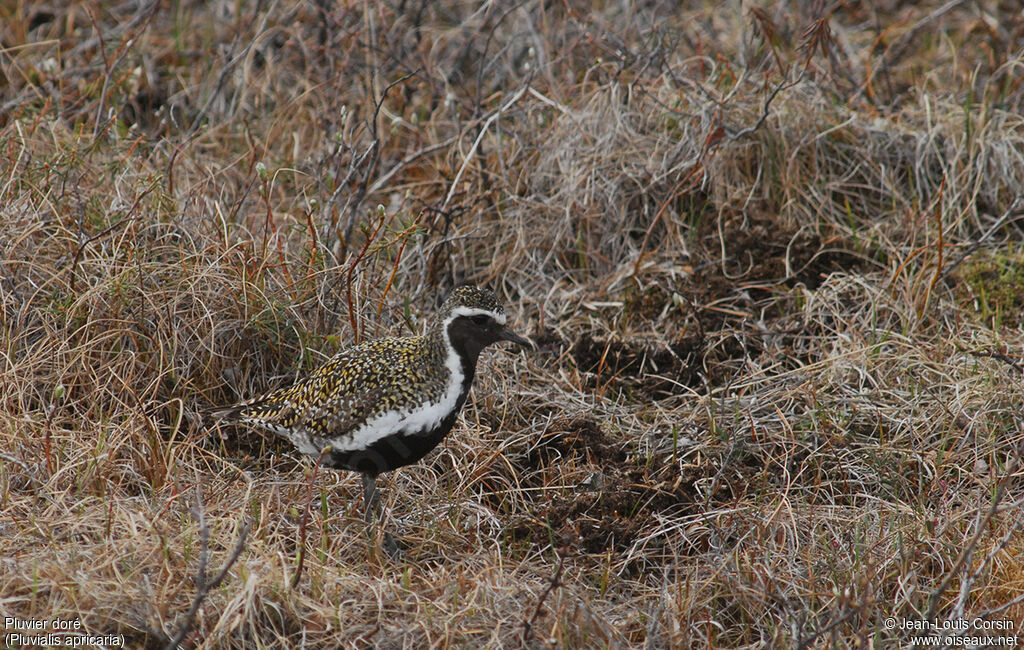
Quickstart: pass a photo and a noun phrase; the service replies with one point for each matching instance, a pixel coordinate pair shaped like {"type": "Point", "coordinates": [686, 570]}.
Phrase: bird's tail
{"type": "Point", "coordinates": [228, 414]}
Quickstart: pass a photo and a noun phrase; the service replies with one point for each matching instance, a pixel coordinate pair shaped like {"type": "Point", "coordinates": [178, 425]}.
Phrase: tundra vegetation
{"type": "Point", "coordinates": [772, 259]}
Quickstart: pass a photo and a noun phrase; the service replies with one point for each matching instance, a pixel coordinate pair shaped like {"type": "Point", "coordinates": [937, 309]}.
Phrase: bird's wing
{"type": "Point", "coordinates": [339, 396]}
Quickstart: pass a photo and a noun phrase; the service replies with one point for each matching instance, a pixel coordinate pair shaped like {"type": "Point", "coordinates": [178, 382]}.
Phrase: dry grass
{"type": "Point", "coordinates": [772, 266]}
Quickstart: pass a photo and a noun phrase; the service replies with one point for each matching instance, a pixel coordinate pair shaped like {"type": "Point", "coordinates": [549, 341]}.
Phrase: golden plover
{"type": "Point", "coordinates": [385, 403]}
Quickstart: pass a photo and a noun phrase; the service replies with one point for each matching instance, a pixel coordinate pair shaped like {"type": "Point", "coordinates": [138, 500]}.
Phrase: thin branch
{"type": "Point", "coordinates": [129, 217]}
{"type": "Point", "coordinates": [404, 162]}
{"type": "Point", "coordinates": [554, 582]}
{"type": "Point", "coordinates": [372, 152]}
{"type": "Point", "coordinates": [972, 579]}
{"type": "Point", "coordinates": [808, 641]}
{"type": "Point", "coordinates": [203, 587]}
{"type": "Point", "coordinates": [1012, 214]}
{"type": "Point", "coordinates": [766, 109]}
{"type": "Point", "coordinates": [980, 523]}
{"type": "Point", "coordinates": [144, 17]}
{"type": "Point", "coordinates": [896, 50]}
{"type": "Point", "coordinates": [305, 516]}
{"type": "Point", "coordinates": [998, 355]}
{"type": "Point", "coordinates": [476, 143]}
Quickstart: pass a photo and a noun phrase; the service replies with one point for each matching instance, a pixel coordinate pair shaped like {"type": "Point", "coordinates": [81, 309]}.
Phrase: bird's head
{"type": "Point", "coordinates": [472, 318]}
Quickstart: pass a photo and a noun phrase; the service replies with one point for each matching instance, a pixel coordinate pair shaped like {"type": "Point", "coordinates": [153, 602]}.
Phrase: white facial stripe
{"type": "Point", "coordinates": [474, 311]}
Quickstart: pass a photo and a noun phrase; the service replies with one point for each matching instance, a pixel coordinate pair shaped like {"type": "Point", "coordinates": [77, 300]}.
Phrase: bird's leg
{"type": "Point", "coordinates": [371, 497]}
{"type": "Point", "coordinates": [371, 501]}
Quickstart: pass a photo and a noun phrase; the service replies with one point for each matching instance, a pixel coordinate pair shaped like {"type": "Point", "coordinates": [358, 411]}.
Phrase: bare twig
{"type": "Point", "coordinates": [969, 581]}
{"type": "Point", "coordinates": [367, 161]}
{"type": "Point", "coordinates": [476, 143]}
{"type": "Point", "coordinates": [554, 582]}
{"type": "Point", "coordinates": [896, 50]}
{"type": "Point", "coordinates": [766, 108]}
{"type": "Point", "coordinates": [1012, 214]}
{"type": "Point", "coordinates": [940, 245]}
{"type": "Point", "coordinates": [143, 18]}
{"type": "Point", "coordinates": [808, 641]}
{"type": "Point", "coordinates": [370, 238]}
{"type": "Point", "coordinates": [992, 353]}
{"type": "Point", "coordinates": [129, 217]}
{"type": "Point", "coordinates": [305, 516]}
{"type": "Point", "coordinates": [964, 560]}
{"type": "Point", "coordinates": [225, 71]}
{"type": "Point", "coordinates": [384, 178]}
{"type": "Point", "coordinates": [203, 587]}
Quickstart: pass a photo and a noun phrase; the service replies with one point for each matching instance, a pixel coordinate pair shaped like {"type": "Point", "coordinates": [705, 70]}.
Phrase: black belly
{"type": "Point", "coordinates": [392, 451]}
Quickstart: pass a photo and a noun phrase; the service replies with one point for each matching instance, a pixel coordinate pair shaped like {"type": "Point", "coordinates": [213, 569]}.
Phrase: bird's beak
{"type": "Point", "coordinates": [508, 335]}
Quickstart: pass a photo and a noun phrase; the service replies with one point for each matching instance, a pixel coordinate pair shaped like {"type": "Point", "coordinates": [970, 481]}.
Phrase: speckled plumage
{"type": "Point", "coordinates": [357, 384]}
{"type": "Point", "coordinates": [385, 403]}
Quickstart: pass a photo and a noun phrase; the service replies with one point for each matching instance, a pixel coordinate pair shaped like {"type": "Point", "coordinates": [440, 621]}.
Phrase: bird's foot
{"type": "Point", "coordinates": [391, 547]}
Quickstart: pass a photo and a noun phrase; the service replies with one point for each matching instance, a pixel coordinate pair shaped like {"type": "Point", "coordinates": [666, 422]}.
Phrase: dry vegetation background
{"type": "Point", "coordinates": [771, 255]}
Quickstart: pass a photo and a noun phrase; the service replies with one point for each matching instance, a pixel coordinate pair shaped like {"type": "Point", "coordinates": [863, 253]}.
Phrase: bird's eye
{"type": "Point", "coordinates": [480, 319]}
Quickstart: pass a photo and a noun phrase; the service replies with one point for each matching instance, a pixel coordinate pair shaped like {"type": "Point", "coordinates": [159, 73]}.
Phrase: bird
{"type": "Point", "coordinates": [385, 403]}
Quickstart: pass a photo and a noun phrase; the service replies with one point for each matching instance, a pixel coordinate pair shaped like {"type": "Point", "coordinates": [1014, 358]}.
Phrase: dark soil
{"type": "Point", "coordinates": [730, 311]}
{"type": "Point", "coordinates": [618, 503]}
{"type": "Point", "coordinates": [658, 372]}
{"type": "Point", "coordinates": [614, 513]}
{"type": "Point", "coordinates": [757, 250]}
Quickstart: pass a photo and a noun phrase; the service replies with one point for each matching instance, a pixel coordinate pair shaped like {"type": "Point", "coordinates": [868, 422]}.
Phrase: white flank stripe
{"type": "Point", "coordinates": [420, 418]}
